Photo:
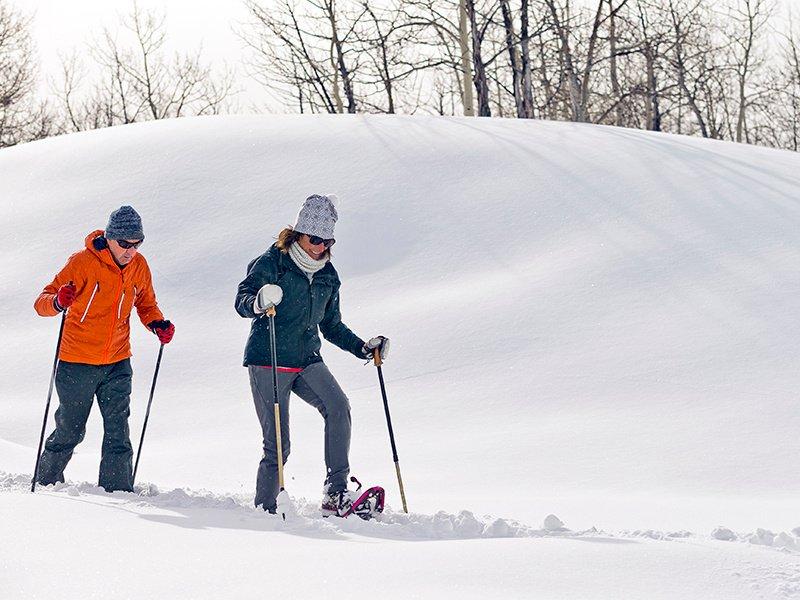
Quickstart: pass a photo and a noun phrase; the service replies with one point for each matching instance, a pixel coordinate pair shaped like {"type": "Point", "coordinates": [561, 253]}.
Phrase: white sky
{"type": "Point", "coordinates": [60, 26]}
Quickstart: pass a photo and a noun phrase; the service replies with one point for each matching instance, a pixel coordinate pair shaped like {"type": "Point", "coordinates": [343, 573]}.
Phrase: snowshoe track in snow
{"type": "Point", "coordinates": [391, 524]}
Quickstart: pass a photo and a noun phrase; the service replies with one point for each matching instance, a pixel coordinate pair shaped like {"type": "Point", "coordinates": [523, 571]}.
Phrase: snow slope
{"type": "Point", "coordinates": [589, 321]}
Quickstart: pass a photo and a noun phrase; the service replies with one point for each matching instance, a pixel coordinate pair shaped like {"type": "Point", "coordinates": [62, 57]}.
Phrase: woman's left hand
{"type": "Point", "coordinates": [381, 343]}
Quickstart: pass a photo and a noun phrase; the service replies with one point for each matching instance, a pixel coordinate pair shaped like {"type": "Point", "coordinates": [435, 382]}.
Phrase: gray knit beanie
{"type": "Point", "coordinates": [124, 224]}
{"type": "Point", "coordinates": [317, 216]}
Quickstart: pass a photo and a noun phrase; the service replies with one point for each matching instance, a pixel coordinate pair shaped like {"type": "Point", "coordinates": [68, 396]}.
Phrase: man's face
{"type": "Point", "coordinates": [123, 255]}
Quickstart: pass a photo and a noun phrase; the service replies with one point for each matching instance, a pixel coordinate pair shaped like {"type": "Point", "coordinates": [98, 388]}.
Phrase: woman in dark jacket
{"type": "Point", "coordinates": [296, 272]}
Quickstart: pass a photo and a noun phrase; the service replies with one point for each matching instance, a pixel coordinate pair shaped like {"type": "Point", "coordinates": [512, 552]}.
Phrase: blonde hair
{"type": "Point", "coordinates": [289, 236]}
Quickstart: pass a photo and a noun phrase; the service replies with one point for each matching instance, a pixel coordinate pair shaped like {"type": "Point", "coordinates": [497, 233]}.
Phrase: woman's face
{"type": "Point", "coordinates": [314, 251]}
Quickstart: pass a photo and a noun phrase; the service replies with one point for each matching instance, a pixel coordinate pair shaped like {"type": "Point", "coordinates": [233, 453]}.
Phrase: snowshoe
{"type": "Point", "coordinates": [365, 504]}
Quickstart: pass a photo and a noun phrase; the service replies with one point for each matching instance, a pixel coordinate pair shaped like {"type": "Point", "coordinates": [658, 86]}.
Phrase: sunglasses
{"type": "Point", "coordinates": [316, 241]}
{"type": "Point", "coordinates": [127, 245]}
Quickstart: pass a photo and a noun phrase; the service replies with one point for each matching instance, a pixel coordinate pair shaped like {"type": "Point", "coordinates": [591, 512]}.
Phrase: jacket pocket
{"type": "Point", "coordinates": [91, 299]}
{"type": "Point", "coordinates": [126, 302]}
{"type": "Point", "coordinates": [320, 295]}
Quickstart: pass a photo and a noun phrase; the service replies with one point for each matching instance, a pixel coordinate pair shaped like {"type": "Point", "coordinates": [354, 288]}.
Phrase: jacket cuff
{"type": "Point", "coordinates": [357, 348]}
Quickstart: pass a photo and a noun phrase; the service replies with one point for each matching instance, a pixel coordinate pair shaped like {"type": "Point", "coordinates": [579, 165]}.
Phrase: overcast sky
{"type": "Point", "coordinates": [60, 26]}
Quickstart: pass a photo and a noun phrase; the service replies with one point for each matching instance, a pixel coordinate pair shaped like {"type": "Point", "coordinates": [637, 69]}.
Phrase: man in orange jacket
{"type": "Point", "coordinates": [99, 287]}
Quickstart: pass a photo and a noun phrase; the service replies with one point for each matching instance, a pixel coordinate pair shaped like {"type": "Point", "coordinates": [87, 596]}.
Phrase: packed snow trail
{"type": "Point", "coordinates": [182, 543]}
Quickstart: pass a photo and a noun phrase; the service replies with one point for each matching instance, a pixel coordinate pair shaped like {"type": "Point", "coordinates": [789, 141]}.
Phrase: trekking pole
{"type": "Point", "coordinates": [276, 405]}
{"type": "Point", "coordinates": [49, 396]}
{"type": "Point", "coordinates": [147, 414]}
{"type": "Point", "coordinates": [378, 362]}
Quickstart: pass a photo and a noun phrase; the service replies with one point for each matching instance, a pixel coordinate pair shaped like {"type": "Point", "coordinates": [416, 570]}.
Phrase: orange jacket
{"type": "Point", "coordinates": [97, 329]}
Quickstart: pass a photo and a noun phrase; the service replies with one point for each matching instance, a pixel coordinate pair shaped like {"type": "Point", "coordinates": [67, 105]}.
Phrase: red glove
{"type": "Point", "coordinates": [164, 330]}
{"type": "Point", "coordinates": [66, 296]}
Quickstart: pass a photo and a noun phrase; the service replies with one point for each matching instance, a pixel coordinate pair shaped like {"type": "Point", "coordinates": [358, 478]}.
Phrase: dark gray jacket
{"type": "Point", "coordinates": [306, 308]}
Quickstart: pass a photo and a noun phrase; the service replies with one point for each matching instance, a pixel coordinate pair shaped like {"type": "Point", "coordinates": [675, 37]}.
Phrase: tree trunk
{"type": "Point", "coordinates": [513, 57]}
{"type": "Point", "coordinates": [480, 79]}
{"type": "Point", "coordinates": [527, 83]}
{"type": "Point", "coordinates": [468, 99]}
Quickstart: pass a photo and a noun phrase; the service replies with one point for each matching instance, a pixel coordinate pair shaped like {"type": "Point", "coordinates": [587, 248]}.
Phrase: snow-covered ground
{"type": "Point", "coordinates": [589, 322]}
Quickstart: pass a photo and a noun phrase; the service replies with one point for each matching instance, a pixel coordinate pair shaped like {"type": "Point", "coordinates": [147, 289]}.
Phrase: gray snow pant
{"type": "Point", "coordinates": [77, 384]}
{"type": "Point", "coordinates": [315, 385]}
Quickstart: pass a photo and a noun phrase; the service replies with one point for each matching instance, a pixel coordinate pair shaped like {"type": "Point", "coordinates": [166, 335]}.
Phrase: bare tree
{"type": "Point", "coordinates": [466, 64]}
{"type": "Point", "coordinates": [444, 32]}
{"type": "Point", "coordinates": [138, 81]}
{"type": "Point", "coordinates": [514, 49]}
{"type": "Point", "coordinates": [749, 18]}
{"type": "Point", "coordinates": [478, 29]}
{"type": "Point", "coordinates": [306, 51]}
{"type": "Point", "coordinates": [394, 58]}
{"type": "Point", "coordinates": [21, 117]}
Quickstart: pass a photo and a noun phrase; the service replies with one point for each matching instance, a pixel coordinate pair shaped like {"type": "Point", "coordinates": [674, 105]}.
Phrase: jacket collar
{"type": "Point", "coordinates": [97, 244]}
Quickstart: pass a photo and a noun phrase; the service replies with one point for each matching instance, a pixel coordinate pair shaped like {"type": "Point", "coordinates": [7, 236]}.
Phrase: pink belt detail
{"type": "Point", "coordinates": [281, 369]}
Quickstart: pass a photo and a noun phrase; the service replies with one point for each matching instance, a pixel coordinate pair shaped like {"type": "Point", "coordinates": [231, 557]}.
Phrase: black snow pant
{"type": "Point", "coordinates": [77, 385]}
{"type": "Point", "coordinates": [315, 385]}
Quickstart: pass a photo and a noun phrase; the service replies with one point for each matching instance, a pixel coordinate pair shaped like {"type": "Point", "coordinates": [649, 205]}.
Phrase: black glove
{"type": "Point", "coordinates": [380, 342]}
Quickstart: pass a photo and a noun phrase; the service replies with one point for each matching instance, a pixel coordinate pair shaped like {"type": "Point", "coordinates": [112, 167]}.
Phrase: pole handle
{"type": "Point", "coordinates": [271, 311]}
{"type": "Point", "coordinates": [376, 356]}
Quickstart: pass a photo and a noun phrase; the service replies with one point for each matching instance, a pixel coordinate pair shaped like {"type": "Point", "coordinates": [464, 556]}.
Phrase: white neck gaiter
{"type": "Point", "coordinates": [308, 265]}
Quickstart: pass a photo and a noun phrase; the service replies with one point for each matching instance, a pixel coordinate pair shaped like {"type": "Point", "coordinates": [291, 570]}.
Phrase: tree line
{"type": "Point", "coordinates": [722, 69]}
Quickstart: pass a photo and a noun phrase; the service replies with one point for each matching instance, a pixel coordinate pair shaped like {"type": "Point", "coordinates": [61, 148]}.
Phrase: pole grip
{"type": "Point", "coordinates": [271, 311]}
{"type": "Point", "coordinates": [376, 356]}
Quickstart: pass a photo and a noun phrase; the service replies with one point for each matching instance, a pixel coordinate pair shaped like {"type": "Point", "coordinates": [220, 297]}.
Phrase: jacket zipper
{"type": "Point", "coordinates": [113, 322]}
{"type": "Point", "coordinates": [119, 308]}
{"type": "Point", "coordinates": [310, 312]}
{"type": "Point", "coordinates": [91, 298]}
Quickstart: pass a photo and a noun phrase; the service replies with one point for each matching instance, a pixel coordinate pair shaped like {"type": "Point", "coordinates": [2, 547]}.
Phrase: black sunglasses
{"type": "Point", "coordinates": [126, 244]}
{"type": "Point", "coordinates": [316, 241]}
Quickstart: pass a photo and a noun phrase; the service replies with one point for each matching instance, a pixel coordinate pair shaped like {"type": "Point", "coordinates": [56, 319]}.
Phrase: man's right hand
{"type": "Point", "coordinates": [65, 296]}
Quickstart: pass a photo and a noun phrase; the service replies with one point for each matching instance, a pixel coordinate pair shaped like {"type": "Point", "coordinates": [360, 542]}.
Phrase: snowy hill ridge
{"type": "Point", "coordinates": [587, 320]}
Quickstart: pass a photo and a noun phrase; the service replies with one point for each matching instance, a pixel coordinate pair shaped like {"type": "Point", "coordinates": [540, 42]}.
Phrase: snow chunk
{"type": "Point", "coordinates": [147, 489]}
{"type": "Point", "coordinates": [498, 528]}
{"type": "Point", "coordinates": [762, 537]}
{"type": "Point", "coordinates": [784, 540]}
{"type": "Point", "coordinates": [466, 525]}
{"type": "Point", "coordinates": [553, 523]}
{"type": "Point", "coordinates": [724, 534]}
